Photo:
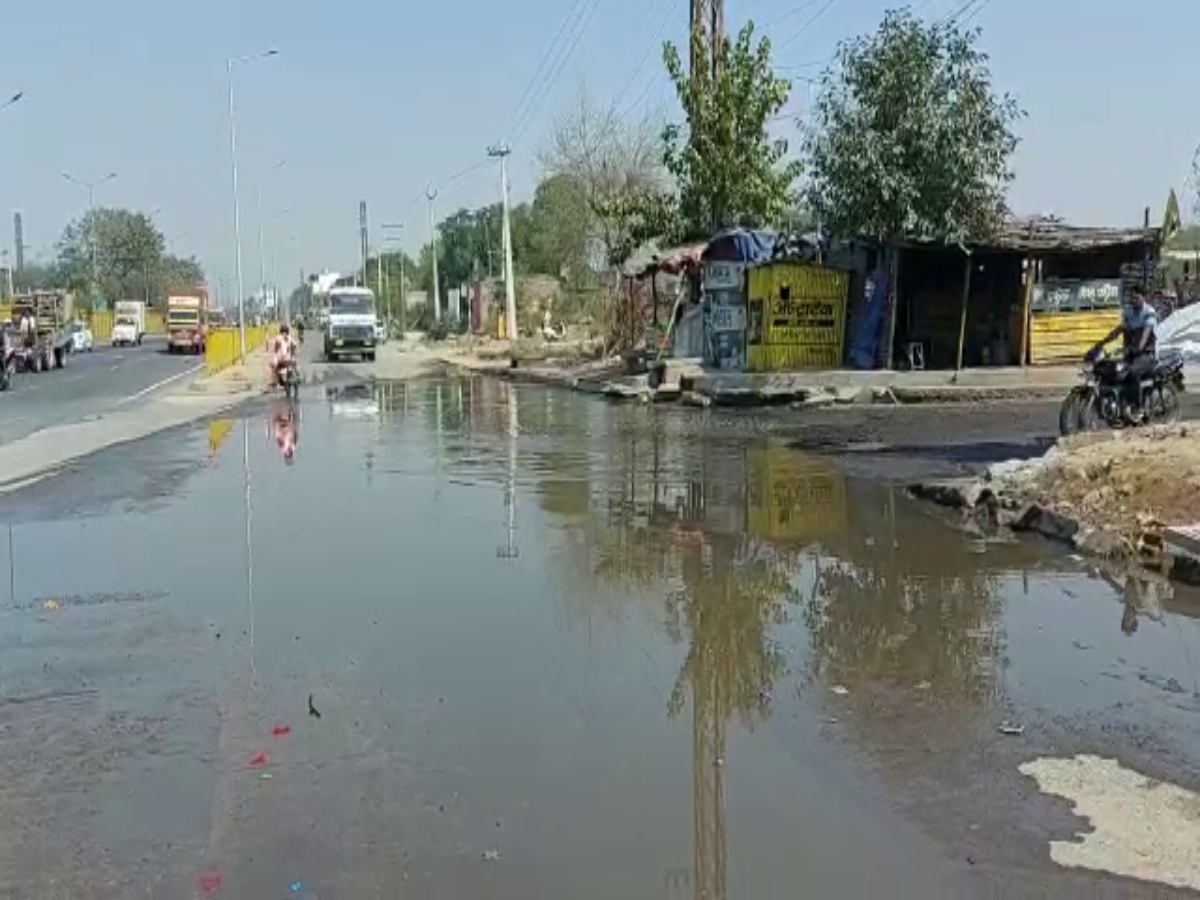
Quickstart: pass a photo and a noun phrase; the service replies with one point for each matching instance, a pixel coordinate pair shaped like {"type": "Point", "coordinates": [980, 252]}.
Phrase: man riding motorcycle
{"type": "Point", "coordinates": [282, 353]}
{"type": "Point", "coordinates": [1137, 329]}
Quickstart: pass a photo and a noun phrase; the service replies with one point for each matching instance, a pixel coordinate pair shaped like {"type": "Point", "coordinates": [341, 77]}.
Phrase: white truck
{"type": "Point", "coordinates": [351, 327]}
{"type": "Point", "coordinates": [129, 323]}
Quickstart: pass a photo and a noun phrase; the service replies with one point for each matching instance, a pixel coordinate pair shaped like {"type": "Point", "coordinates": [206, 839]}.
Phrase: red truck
{"type": "Point", "coordinates": [187, 322]}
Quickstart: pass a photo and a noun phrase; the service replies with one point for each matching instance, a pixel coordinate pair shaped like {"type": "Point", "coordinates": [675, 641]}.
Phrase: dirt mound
{"type": "Point", "coordinates": [1128, 483]}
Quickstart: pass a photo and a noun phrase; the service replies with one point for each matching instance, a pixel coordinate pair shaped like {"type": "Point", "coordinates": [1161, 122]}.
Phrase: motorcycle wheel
{"type": "Point", "coordinates": [1166, 411]}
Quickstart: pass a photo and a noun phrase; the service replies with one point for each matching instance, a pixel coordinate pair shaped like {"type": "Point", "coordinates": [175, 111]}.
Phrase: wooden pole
{"type": "Point", "coordinates": [893, 296]}
{"type": "Point", "coordinates": [1028, 265]}
{"type": "Point", "coordinates": [962, 322]}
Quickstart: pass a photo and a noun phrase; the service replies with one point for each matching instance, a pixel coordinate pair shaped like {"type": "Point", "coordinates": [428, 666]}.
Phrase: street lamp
{"type": "Point", "coordinates": [11, 100]}
{"type": "Point", "coordinates": [91, 189]}
{"type": "Point", "coordinates": [237, 212]}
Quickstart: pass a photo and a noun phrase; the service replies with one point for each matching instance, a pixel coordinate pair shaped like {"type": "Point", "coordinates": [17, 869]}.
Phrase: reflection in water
{"type": "Point", "coordinates": [509, 550]}
{"type": "Point", "coordinates": [284, 428]}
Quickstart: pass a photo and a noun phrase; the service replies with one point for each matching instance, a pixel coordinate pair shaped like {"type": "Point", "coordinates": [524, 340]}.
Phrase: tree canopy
{"type": "Point", "coordinates": [129, 258]}
{"type": "Point", "coordinates": [728, 169]}
{"type": "Point", "coordinates": [908, 137]}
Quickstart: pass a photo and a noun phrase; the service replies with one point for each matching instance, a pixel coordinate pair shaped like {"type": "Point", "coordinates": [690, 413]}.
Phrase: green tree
{"type": "Point", "coordinates": [177, 272]}
{"type": "Point", "coordinates": [908, 138]}
{"type": "Point", "coordinates": [728, 168]}
{"type": "Point", "coordinates": [560, 228]}
{"type": "Point", "coordinates": [126, 248]}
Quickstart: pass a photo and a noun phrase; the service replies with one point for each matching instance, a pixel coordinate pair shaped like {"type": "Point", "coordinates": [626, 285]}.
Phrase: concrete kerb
{"type": "Point", "coordinates": [716, 390]}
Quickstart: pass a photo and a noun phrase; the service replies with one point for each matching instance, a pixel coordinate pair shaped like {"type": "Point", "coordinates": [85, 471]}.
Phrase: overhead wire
{"type": "Point", "coordinates": [548, 84]}
{"type": "Point", "coordinates": [550, 49]}
{"type": "Point", "coordinates": [662, 25]}
{"type": "Point", "coordinates": [809, 22]}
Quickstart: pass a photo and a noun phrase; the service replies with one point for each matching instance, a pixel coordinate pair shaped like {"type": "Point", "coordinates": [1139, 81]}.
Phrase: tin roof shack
{"type": "Point", "coordinates": [986, 303]}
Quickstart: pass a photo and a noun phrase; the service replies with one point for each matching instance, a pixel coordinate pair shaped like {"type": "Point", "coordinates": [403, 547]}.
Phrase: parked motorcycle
{"type": "Point", "coordinates": [289, 379]}
{"type": "Point", "coordinates": [1101, 402]}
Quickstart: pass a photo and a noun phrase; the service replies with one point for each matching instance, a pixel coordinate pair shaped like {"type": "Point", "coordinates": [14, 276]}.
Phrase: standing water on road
{"type": "Point", "coordinates": [475, 640]}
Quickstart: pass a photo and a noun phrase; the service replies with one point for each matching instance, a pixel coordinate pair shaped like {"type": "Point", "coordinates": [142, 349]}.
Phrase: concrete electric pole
{"type": "Point", "coordinates": [501, 151]}
{"type": "Point", "coordinates": [431, 194]}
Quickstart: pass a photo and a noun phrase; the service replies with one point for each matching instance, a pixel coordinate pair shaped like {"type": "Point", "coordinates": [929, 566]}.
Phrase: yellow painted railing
{"type": "Point", "coordinates": [223, 345]}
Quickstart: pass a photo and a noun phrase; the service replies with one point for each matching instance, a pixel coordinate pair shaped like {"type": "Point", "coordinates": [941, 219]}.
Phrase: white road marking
{"type": "Point", "coordinates": [158, 384]}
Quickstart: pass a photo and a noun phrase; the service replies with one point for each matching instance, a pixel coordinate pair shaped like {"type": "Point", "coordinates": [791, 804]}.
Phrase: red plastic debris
{"type": "Point", "coordinates": [260, 760]}
{"type": "Point", "coordinates": [209, 882]}
{"type": "Point", "coordinates": [281, 730]}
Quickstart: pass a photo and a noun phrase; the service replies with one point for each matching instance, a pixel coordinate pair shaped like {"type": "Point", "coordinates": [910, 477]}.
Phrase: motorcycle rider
{"type": "Point", "coordinates": [1139, 320]}
{"type": "Point", "coordinates": [300, 329]}
{"type": "Point", "coordinates": [282, 352]}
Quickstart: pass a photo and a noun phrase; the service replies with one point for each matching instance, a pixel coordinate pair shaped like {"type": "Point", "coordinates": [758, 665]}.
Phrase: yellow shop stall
{"type": "Point", "coordinates": [796, 317]}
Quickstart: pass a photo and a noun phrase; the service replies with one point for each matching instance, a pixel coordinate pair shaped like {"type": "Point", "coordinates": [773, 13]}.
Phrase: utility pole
{"type": "Point", "coordinates": [362, 237]}
{"type": "Point", "coordinates": [501, 152]}
{"type": "Point", "coordinates": [431, 194]}
{"type": "Point", "coordinates": [395, 227]}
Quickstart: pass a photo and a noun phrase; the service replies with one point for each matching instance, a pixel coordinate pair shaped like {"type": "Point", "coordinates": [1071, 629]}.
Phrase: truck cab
{"type": "Point", "coordinates": [187, 324]}
{"type": "Point", "coordinates": [350, 330]}
{"type": "Point", "coordinates": [129, 323]}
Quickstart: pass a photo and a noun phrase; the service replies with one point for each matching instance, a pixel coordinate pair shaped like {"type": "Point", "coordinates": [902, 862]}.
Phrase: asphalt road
{"type": "Point", "coordinates": [92, 384]}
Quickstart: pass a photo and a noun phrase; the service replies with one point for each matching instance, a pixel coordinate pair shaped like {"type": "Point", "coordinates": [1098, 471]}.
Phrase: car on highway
{"type": "Point", "coordinates": [81, 338]}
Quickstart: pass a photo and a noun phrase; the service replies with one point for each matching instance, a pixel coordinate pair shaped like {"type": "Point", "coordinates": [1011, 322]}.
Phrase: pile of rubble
{"type": "Point", "coordinates": [1110, 493]}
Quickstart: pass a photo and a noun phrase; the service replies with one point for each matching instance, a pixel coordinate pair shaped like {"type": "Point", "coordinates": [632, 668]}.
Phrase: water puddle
{"type": "Point", "coordinates": [485, 640]}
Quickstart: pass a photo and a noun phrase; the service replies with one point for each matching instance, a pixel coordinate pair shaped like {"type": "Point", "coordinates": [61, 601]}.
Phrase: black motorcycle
{"type": "Point", "coordinates": [1102, 400]}
{"type": "Point", "coordinates": [289, 379]}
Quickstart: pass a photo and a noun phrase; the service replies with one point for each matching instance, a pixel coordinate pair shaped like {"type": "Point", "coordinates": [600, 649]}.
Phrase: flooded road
{"type": "Point", "coordinates": [460, 639]}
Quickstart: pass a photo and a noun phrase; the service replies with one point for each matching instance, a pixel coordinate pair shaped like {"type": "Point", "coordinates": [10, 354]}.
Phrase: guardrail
{"type": "Point", "coordinates": [224, 344]}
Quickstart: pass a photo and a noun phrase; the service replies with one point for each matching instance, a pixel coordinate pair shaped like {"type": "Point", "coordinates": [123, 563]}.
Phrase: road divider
{"type": "Point", "coordinates": [223, 345]}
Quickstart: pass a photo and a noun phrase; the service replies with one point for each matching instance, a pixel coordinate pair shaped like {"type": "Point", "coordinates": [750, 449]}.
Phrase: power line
{"type": "Point", "coordinates": [808, 23]}
{"type": "Point", "coordinates": [564, 58]}
{"type": "Point", "coordinates": [788, 13]}
{"type": "Point", "coordinates": [545, 58]}
{"type": "Point", "coordinates": [662, 25]}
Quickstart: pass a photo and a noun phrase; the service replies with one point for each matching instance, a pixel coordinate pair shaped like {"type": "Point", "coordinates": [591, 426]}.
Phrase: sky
{"type": "Point", "coordinates": [373, 101]}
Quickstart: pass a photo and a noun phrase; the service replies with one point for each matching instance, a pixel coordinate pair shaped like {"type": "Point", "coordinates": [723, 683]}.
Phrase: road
{"type": "Point", "coordinates": [90, 385]}
{"type": "Point", "coordinates": [750, 670]}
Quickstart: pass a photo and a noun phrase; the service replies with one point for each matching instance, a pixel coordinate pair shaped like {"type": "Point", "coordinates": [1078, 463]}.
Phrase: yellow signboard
{"type": "Point", "coordinates": [797, 315]}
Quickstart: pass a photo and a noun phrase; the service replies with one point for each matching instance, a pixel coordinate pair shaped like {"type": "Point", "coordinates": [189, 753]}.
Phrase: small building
{"type": "Point", "coordinates": [1039, 292]}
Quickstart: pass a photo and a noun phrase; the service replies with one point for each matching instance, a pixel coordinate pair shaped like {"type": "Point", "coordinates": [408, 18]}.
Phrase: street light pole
{"type": "Point", "coordinates": [431, 194]}
{"type": "Point", "coordinates": [501, 152]}
{"type": "Point", "coordinates": [237, 211]}
{"type": "Point", "coordinates": [91, 189]}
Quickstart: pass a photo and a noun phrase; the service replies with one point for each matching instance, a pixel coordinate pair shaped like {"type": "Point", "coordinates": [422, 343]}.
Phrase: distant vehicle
{"type": "Point", "coordinates": [81, 338]}
{"type": "Point", "coordinates": [129, 325]}
{"type": "Point", "coordinates": [380, 331]}
{"type": "Point", "coordinates": [351, 327]}
{"type": "Point", "coordinates": [187, 322]}
{"type": "Point", "coordinates": [51, 311]}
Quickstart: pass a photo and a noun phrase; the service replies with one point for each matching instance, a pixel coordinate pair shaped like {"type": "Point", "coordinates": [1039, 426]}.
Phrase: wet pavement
{"type": "Point", "coordinates": [91, 384]}
{"type": "Point", "coordinates": [480, 640]}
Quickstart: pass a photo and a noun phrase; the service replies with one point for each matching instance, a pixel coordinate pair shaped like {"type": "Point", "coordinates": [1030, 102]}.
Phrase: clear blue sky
{"type": "Point", "coordinates": [371, 100]}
